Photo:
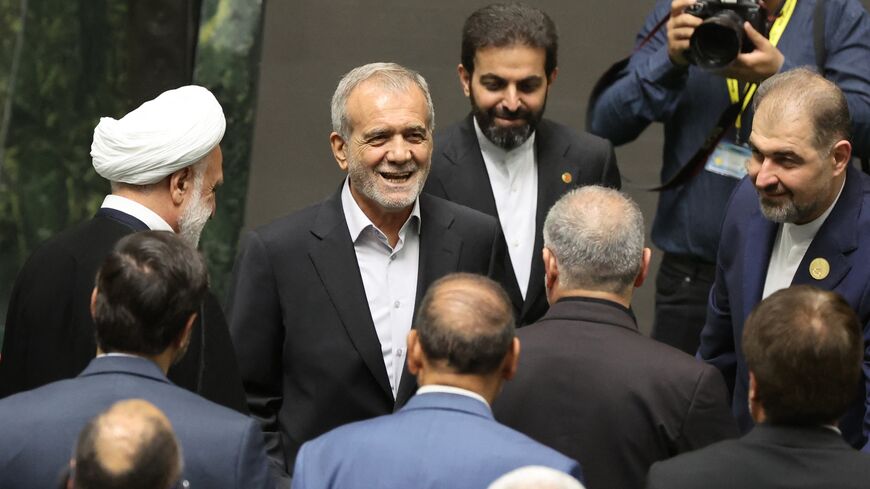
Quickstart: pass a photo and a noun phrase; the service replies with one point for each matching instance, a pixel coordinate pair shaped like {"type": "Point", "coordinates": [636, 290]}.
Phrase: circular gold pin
{"type": "Point", "coordinates": [566, 177]}
{"type": "Point", "coordinates": [819, 268]}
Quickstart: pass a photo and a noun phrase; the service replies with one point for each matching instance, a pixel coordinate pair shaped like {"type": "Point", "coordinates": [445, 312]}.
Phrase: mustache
{"type": "Point", "coordinates": [520, 114]}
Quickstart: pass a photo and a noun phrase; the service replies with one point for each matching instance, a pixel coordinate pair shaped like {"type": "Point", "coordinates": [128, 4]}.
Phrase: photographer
{"type": "Point", "coordinates": [660, 84]}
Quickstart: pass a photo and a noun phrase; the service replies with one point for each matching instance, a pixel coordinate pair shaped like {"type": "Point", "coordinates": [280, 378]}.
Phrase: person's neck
{"type": "Point", "coordinates": [621, 299]}
{"type": "Point", "coordinates": [155, 199]}
{"type": "Point", "coordinates": [488, 386]}
{"type": "Point", "coordinates": [387, 221]}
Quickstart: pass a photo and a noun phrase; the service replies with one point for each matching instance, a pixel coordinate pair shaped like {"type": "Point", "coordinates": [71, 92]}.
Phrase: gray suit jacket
{"type": "Point", "coordinates": [308, 350]}
{"type": "Point", "coordinates": [566, 160]}
{"type": "Point", "coordinates": [38, 428]}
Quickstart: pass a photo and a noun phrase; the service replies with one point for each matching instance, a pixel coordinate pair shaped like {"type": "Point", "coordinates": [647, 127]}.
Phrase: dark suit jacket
{"type": "Point", "coordinates": [437, 440]}
{"type": "Point", "coordinates": [741, 269]}
{"type": "Point", "coordinates": [592, 387]}
{"type": "Point", "coordinates": [769, 457]}
{"type": "Point", "coordinates": [459, 175]}
{"type": "Point", "coordinates": [50, 333]}
{"type": "Point", "coordinates": [39, 428]}
{"type": "Point", "coordinates": [307, 347]}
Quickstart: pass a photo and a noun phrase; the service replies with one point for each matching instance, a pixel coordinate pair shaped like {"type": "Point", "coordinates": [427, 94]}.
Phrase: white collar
{"type": "Point", "coordinates": [358, 221]}
{"type": "Point", "coordinates": [448, 389]}
{"type": "Point", "coordinates": [137, 210]}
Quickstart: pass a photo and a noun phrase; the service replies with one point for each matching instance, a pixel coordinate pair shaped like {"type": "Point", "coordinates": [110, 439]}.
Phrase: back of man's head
{"type": "Point", "coordinates": [596, 236]}
{"type": "Point", "coordinates": [505, 24]}
{"type": "Point", "coordinates": [465, 324]}
{"type": "Point", "coordinates": [146, 291]}
{"type": "Point", "coordinates": [536, 477]}
{"type": "Point", "coordinates": [129, 446]}
{"type": "Point", "coordinates": [803, 346]}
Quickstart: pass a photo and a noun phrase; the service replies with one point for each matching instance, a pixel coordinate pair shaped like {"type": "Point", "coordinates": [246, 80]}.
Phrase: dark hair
{"type": "Point", "coordinates": [466, 320]}
{"type": "Point", "coordinates": [820, 99]}
{"type": "Point", "coordinates": [804, 346]}
{"type": "Point", "coordinates": [505, 24]}
{"type": "Point", "coordinates": [155, 464]}
{"type": "Point", "coordinates": [147, 288]}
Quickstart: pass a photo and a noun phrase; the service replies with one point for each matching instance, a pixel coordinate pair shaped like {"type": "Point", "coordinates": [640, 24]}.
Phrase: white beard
{"type": "Point", "coordinates": [194, 217]}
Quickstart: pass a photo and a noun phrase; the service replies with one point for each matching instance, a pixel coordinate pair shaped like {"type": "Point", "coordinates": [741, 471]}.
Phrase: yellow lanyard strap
{"type": "Point", "coordinates": [775, 33]}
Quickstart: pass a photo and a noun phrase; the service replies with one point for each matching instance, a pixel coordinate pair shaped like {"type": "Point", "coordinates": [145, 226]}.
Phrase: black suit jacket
{"type": "Point", "coordinates": [50, 334]}
{"type": "Point", "coordinates": [459, 175]}
{"type": "Point", "coordinates": [768, 457]}
{"type": "Point", "coordinates": [307, 346]}
{"type": "Point", "coordinates": [592, 387]}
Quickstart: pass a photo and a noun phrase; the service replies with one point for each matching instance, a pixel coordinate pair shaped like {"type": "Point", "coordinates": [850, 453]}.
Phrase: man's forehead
{"type": "Point", "coordinates": [373, 102]}
{"type": "Point", "coordinates": [512, 57]}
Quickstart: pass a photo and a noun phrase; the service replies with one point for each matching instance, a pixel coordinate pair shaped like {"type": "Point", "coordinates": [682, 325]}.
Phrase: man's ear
{"type": "Point", "coordinates": [184, 338]}
{"type": "Point", "coordinates": [464, 79]}
{"type": "Point", "coordinates": [339, 150]}
{"type": "Point", "coordinates": [644, 267]}
{"type": "Point", "coordinates": [181, 184]}
{"type": "Point", "coordinates": [415, 353]}
{"type": "Point", "coordinates": [551, 268]}
{"type": "Point", "coordinates": [552, 78]}
{"type": "Point", "coordinates": [511, 360]}
{"type": "Point", "coordinates": [93, 302]}
{"type": "Point", "coordinates": [842, 155]}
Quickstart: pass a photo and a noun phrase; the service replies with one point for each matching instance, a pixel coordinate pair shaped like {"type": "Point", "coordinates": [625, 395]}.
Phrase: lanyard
{"type": "Point", "coordinates": [775, 33]}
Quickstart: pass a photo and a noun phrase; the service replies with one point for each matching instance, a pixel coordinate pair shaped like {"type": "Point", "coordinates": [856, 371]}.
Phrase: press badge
{"type": "Point", "coordinates": [729, 159]}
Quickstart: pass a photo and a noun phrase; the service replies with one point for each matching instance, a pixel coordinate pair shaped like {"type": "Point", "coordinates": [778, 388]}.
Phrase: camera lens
{"type": "Point", "coordinates": [717, 41]}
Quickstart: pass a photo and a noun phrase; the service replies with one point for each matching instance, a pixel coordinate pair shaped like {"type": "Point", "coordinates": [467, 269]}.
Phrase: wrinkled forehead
{"type": "Point", "coordinates": [374, 102]}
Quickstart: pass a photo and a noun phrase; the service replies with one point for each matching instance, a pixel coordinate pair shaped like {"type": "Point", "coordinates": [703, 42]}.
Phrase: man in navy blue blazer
{"type": "Point", "coordinates": [462, 350]}
{"type": "Point", "coordinates": [144, 306]}
{"type": "Point", "coordinates": [802, 216]}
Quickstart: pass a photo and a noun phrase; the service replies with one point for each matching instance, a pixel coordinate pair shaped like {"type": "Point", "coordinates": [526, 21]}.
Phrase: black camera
{"type": "Point", "coordinates": [720, 38]}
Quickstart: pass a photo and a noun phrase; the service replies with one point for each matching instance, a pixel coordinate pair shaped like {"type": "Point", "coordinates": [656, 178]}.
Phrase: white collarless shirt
{"type": "Point", "coordinates": [449, 389]}
{"type": "Point", "coordinates": [389, 277]}
{"type": "Point", "coordinates": [789, 248]}
{"type": "Point", "coordinates": [137, 210]}
{"type": "Point", "coordinates": [513, 177]}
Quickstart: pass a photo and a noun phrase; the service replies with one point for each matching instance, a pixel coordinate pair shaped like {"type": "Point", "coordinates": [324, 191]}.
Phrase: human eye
{"type": "Point", "coordinates": [492, 83]}
{"type": "Point", "coordinates": [529, 85]}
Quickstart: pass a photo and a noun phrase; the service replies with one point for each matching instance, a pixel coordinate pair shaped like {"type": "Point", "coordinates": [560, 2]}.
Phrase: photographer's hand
{"type": "Point", "coordinates": [680, 28]}
{"type": "Point", "coordinates": [759, 64]}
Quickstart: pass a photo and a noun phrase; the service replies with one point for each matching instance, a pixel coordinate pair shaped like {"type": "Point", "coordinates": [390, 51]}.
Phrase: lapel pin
{"type": "Point", "coordinates": [819, 268]}
{"type": "Point", "coordinates": [566, 177]}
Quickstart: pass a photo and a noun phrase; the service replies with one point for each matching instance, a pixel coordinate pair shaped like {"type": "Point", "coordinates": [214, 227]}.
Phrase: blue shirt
{"type": "Point", "coordinates": [689, 101]}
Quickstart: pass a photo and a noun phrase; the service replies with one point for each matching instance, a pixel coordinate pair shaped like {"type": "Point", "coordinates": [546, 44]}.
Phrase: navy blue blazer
{"type": "Point", "coordinates": [741, 269]}
{"type": "Point", "coordinates": [437, 440]}
{"type": "Point", "coordinates": [38, 428]}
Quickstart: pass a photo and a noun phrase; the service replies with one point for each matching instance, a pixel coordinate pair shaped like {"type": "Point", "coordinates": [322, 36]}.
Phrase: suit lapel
{"type": "Point", "coordinates": [471, 176]}
{"type": "Point", "coordinates": [334, 259]}
{"type": "Point", "coordinates": [552, 168]}
{"type": "Point", "coordinates": [836, 238]}
{"type": "Point", "coordinates": [761, 233]}
{"type": "Point", "coordinates": [439, 255]}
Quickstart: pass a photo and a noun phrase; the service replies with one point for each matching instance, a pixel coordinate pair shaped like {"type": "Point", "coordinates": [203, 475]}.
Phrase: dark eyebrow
{"type": "Point", "coordinates": [489, 77]}
{"type": "Point", "coordinates": [376, 133]}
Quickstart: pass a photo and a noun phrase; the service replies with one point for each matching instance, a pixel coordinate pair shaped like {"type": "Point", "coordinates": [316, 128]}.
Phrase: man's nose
{"type": "Point", "coordinates": [511, 101]}
{"type": "Point", "coordinates": [765, 174]}
{"type": "Point", "coordinates": [399, 150]}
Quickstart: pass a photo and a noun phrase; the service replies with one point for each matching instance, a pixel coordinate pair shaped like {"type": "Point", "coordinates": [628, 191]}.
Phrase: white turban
{"type": "Point", "coordinates": [162, 136]}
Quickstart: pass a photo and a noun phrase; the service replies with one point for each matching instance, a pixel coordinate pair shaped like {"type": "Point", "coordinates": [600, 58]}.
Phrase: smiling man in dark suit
{"type": "Point", "coordinates": [323, 299]}
{"type": "Point", "coordinates": [505, 159]}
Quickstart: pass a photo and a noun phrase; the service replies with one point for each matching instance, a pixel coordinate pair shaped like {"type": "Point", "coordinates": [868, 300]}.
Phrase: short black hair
{"type": "Point", "coordinates": [804, 347]}
{"type": "Point", "coordinates": [147, 289]}
{"type": "Point", "coordinates": [155, 464]}
{"type": "Point", "coordinates": [506, 24]}
{"type": "Point", "coordinates": [466, 320]}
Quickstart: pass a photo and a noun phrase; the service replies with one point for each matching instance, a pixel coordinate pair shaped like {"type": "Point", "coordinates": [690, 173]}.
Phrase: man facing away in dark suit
{"type": "Point", "coordinates": [462, 350]}
{"type": "Point", "coordinates": [505, 159]}
{"type": "Point", "coordinates": [590, 384]}
{"type": "Point", "coordinates": [321, 300]}
{"type": "Point", "coordinates": [130, 445]}
{"type": "Point", "coordinates": [804, 349]}
{"type": "Point", "coordinates": [148, 293]}
{"type": "Point", "coordinates": [164, 162]}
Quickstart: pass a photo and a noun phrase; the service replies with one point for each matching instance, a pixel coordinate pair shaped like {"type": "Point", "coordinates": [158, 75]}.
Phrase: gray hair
{"type": "Point", "coordinates": [820, 99]}
{"type": "Point", "coordinates": [596, 235]}
{"type": "Point", "coordinates": [536, 477]}
{"type": "Point", "coordinates": [391, 76]}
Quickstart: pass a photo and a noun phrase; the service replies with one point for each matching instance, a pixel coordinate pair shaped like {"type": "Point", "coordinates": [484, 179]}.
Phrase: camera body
{"type": "Point", "coordinates": [720, 38]}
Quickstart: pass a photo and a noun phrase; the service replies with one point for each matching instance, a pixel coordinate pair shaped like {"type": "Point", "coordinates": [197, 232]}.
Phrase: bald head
{"type": "Point", "coordinates": [466, 324]}
{"type": "Point", "coordinates": [130, 445]}
{"type": "Point", "coordinates": [536, 477]}
{"type": "Point", "coordinates": [596, 235]}
{"type": "Point", "coordinates": [801, 93]}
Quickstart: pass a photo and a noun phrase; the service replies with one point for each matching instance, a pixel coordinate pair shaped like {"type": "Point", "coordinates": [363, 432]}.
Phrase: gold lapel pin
{"type": "Point", "coordinates": [819, 268]}
{"type": "Point", "coordinates": [566, 177]}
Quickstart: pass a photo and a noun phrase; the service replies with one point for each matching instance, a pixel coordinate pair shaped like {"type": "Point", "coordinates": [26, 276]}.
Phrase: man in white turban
{"type": "Point", "coordinates": [164, 163]}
